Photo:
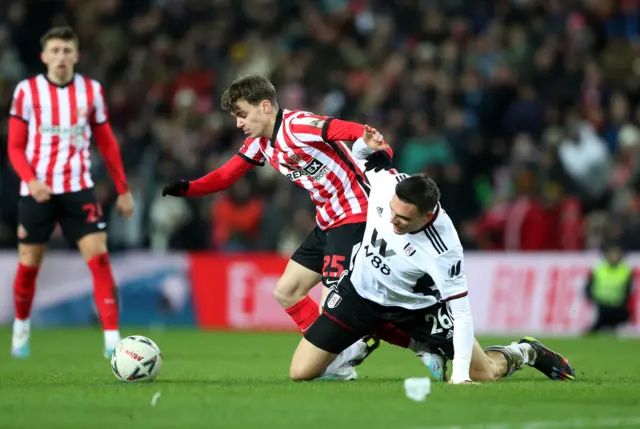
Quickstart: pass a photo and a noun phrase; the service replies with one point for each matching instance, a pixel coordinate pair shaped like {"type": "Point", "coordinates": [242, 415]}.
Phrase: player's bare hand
{"type": "Point", "coordinates": [39, 191]}
{"type": "Point", "coordinates": [124, 205]}
{"type": "Point", "coordinates": [374, 139]}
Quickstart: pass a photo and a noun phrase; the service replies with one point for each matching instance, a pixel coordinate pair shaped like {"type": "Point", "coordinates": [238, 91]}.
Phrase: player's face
{"type": "Point", "coordinates": [60, 56]}
{"type": "Point", "coordinates": [253, 120]}
{"type": "Point", "coordinates": [406, 217]}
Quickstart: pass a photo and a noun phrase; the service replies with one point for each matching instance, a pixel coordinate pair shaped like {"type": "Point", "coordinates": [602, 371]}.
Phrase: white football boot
{"type": "Point", "coordinates": [20, 347]}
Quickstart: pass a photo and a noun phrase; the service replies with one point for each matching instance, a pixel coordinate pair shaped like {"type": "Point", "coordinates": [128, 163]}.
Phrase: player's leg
{"type": "Point", "coordinates": [300, 276]}
{"type": "Point", "coordinates": [496, 362]}
{"type": "Point", "coordinates": [342, 243]}
{"type": "Point", "coordinates": [35, 225]}
{"type": "Point", "coordinates": [82, 221]}
{"type": "Point", "coordinates": [345, 319]}
{"type": "Point", "coordinates": [312, 359]}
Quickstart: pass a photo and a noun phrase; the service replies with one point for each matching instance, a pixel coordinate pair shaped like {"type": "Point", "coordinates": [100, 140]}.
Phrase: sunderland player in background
{"type": "Point", "coordinates": [309, 150]}
{"type": "Point", "coordinates": [53, 117]}
{"type": "Point", "coordinates": [409, 271]}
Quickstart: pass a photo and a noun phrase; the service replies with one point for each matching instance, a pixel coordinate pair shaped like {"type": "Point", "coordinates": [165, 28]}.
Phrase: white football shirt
{"type": "Point", "coordinates": [414, 270]}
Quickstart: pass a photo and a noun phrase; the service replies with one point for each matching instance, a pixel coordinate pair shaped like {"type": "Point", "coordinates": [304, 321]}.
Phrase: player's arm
{"type": "Point", "coordinates": [362, 152]}
{"type": "Point", "coordinates": [106, 141]}
{"type": "Point", "coordinates": [326, 129]}
{"type": "Point", "coordinates": [452, 285]}
{"type": "Point", "coordinates": [19, 116]}
{"type": "Point", "coordinates": [17, 145]}
{"type": "Point", "coordinates": [221, 178]}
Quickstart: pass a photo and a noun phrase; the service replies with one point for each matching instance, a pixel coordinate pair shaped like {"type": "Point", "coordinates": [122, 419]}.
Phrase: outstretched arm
{"type": "Point", "coordinates": [218, 180]}
{"type": "Point", "coordinates": [371, 153]}
{"type": "Point", "coordinates": [452, 283]}
{"type": "Point", "coordinates": [463, 338]}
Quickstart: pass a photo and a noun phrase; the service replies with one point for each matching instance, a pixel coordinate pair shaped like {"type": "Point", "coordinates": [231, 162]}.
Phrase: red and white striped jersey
{"type": "Point", "coordinates": [60, 120]}
{"type": "Point", "coordinates": [298, 149]}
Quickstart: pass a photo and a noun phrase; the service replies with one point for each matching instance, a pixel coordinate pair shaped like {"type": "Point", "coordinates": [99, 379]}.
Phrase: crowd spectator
{"type": "Point", "coordinates": [526, 112]}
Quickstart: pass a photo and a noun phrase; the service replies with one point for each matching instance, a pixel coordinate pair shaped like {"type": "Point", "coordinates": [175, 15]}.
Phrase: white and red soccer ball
{"type": "Point", "coordinates": [136, 358]}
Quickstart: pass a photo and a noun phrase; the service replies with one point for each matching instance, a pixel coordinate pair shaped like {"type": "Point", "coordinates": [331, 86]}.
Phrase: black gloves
{"type": "Point", "coordinates": [176, 189]}
{"type": "Point", "coordinates": [380, 160]}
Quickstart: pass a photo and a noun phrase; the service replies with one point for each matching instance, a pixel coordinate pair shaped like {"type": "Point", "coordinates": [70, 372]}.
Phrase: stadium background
{"type": "Point", "coordinates": [485, 96]}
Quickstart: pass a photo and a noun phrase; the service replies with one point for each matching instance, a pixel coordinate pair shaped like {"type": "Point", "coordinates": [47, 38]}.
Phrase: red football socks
{"type": "Point", "coordinates": [393, 335]}
{"type": "Point", "coordinates": [104, 291]}
{"type": "Point", "coordinates": [304, 313]}
{"type": "Point", "coordinates": [24, 288]}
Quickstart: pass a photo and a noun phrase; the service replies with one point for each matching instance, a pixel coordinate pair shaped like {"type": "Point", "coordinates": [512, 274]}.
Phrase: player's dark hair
{"type": "Point", "coordinates": [65, 33]}
{"type": "Point", "coordinates": [419, 190]}
{"type": "Point", "coordinates": [253, 89]}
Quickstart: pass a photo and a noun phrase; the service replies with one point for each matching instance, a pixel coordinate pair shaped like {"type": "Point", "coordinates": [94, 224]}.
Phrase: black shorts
{"type": "Point", "coordinates": [347, 317]}
{"type": "Point", "coordinates": [78, 213]}
{"type": "Point", "coordinates": [329, 252]}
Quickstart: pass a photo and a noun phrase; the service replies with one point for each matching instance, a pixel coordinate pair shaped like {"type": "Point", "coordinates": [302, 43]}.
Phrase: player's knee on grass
{"type": "Point", "coordinates": [93, 245]}
{"type": "Point", "coordinates": [31, 255]}
{"type": "Point", "coordinates": [294, 284]}
{"type": "Point", "coordinates": [309, 361]}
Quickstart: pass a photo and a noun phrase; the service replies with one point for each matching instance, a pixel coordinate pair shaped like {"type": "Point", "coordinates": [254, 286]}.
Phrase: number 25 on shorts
{"type": "Point", "coordinates": [93, 211]}
{"type": "Point", "coordinates": [333, 266]}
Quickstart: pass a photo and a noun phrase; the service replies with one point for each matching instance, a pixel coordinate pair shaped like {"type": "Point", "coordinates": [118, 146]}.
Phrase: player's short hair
{"type": "Point", "coordinates": [419, 190]}
{"type": "Point", "coordinates": [64, 33]}
{"type": "Point", "coordinates": [253, 89]}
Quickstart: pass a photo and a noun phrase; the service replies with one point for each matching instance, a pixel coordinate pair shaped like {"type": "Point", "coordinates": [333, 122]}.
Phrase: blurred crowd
{"type": "Point", "coordinates": [525, 112]}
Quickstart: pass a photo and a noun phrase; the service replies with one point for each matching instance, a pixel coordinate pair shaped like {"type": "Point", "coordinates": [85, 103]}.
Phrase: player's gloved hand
{"type": "Point", "coordinates": [176, 189]}
{"type": "Point", "coordinates": [377, 161]}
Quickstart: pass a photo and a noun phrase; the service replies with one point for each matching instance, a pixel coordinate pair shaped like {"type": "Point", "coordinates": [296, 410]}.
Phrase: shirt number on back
{"type": "Point", "coordinates": [440, 323]}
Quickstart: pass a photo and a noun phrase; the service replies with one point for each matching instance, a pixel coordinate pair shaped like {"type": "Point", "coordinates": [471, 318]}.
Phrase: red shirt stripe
{"type": "Point", "coordinates": [55, 138]}
{"type": "Point", "coordinates": [73, 107]}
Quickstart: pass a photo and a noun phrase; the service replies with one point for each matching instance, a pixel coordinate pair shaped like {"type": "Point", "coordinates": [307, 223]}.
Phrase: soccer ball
{"type": "Point", "coordinates": [136, 358]}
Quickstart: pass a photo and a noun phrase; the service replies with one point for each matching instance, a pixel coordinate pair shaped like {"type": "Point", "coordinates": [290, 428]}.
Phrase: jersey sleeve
{"type": "Point", "coordinates": [252, 152]}
{"type": "Point", "coordinates": [309, 127]}
{"type": "Point", "coordinates": [383, 178]}
{"type": "Point", "coordinates": [450, 268]}
{"type": "Point", "coordinates": [21, 104]}
{"type": "Point", "coordinates": [100, 113]}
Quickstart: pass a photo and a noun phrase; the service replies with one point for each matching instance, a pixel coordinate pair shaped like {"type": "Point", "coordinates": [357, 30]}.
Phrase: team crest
{"type": "Point", "coordinates": [318, 123]}
{"type": "Point", "coordinates": [409, 250]}
{"type": "Point", "coordinates": [379, 211]}
{"type": "Point", "coordinates": [294, 158]}
{"type": "Point", "coordinates": [334, 300]}
{"type": "Point", "coordinates": [82, 112]}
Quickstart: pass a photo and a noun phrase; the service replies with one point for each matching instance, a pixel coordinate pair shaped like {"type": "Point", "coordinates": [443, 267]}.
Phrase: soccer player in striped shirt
{"type": "Point", "coordinates": [309, 150]}
{"type": "Point", "coordinates": [53, 116]}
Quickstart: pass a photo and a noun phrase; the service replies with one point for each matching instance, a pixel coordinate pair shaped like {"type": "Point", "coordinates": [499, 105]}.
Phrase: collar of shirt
{"type": "Point", "coordinates": [276, 126]}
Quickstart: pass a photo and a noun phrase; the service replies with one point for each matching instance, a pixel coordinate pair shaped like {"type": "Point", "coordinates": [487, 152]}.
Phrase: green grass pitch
{"type": "Point", "coordinates": [239, 380]}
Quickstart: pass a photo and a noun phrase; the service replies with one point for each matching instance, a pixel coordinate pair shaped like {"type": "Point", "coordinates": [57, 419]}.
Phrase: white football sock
{"type": "Point", "coordinates": [21, 325]}
{"type": "Point", "coordinates": [111, 338]}
{"type": "Point", "coordinates": [357, 350]}
{"type": "Point", "coordinates": [529, 353]}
